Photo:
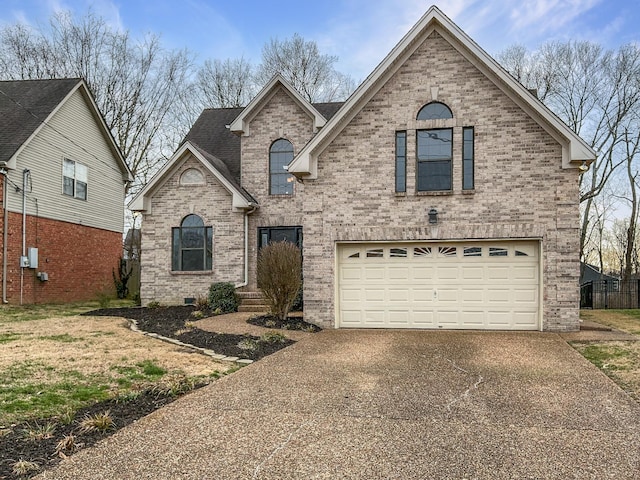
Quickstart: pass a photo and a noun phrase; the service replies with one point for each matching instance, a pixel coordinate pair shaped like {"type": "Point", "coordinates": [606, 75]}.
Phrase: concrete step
{"type": "Point", "coordinates": [253, 308]}
{"type": "Point", "coordinates": [252, 301]}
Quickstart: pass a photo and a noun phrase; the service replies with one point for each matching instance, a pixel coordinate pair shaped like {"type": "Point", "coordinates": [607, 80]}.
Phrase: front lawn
{"type": "Point", "coordinates": [55, 368]}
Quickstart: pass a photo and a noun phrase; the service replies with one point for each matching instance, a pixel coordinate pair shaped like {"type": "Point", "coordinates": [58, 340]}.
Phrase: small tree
{"type": "Point", "coordinates": [279, 276]}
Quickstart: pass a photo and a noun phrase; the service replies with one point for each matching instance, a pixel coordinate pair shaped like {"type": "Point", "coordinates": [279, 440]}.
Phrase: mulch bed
{"type": "Point", "coordinates": [170, 322]}
{"type": "Point", "coordinates": [291, 323]}
{"type": "Point", "coordinates": [14, 446]}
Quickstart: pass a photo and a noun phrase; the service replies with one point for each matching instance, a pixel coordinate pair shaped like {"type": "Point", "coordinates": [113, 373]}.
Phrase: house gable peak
{"type": "Point", "coordinates": [240, 126]}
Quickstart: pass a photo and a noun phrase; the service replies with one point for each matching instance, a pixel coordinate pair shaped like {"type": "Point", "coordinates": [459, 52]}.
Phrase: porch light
{"type": "Point", "coordinates": [433, 216]}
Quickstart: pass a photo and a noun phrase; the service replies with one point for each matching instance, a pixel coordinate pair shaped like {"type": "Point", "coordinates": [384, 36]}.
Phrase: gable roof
{"type": "Point", "coordinates": [574, 149]}
{"type": "Point", "coordinates": [26, 106]}
{"type": "Point", "coordinates": [241, 199]}
{"type": "Point", "coordinates": [241, 124]}
{"type": "Point", "coordinates": [211, 134]}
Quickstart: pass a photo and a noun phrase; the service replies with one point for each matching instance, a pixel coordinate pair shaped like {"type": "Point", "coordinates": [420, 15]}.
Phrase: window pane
{"type": "Point", "coordinates": [192, 260]}
{"type": "Point", "coordinates": [192, 221]}
{"type": "Point", "coordinates": [81, 172]}
{"type": "Point", "coordinates": [81, 190]}
{"type": "Point", "coordinates": [375, 253]}
{"type": "Point", "coordinates": [209, 254]}
{"type": "Point", "coordinates": [433, 111]}
{"type": "Point", "coordinates": [434, 144]}
{"type": "Point", "coordinates": [497, 252]}
{"type": "Point", "coordinates": [467, 159]}
{"type": "Point", "coordinates": [193, 237]}
{"type": "Point", "coordinates": [422, 251]}
{"type": "Point", "coordinates": [280, 155]}
{"type": "Point", "coordinates": [434, 175]}
{"type": "Point", "coordinates": [175, 249]}
{"type": "Point", "coordinates": [67, 186]}
{"type": "Point", "coordinates": [68, 168]}
{"type": "Point", "coordinates": [401, 161]}
{"type": "Point", "coordinates": [398, 253]}
{"type": "Point", "coordinates": [447, 251]}
{"type": "Point", "coordinates": [472, 251]}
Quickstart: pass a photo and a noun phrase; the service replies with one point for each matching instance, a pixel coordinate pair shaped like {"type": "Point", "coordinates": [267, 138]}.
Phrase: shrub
{"type": "Point", "coordinates": [279, 275]}
{"type": "Point", "coordinates": [223, 296]}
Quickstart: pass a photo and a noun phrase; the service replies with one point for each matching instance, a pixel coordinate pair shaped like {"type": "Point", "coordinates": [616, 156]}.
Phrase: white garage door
{"type": "Point", "coordinates": [488, 285]}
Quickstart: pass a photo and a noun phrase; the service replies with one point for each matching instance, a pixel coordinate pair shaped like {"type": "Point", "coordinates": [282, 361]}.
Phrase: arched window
{"type": "Point", "coordinates": [192, 176]}
{"type": "Point", "coordinates": [280, 155]}
{"type": "Point", "coordinates": [434, 111]}
{"type": "Point", "coordinates": [192, 245]}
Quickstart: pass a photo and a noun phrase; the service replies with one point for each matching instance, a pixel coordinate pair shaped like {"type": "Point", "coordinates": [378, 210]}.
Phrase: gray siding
{"type": "Point", "coordinates": [71, 133]}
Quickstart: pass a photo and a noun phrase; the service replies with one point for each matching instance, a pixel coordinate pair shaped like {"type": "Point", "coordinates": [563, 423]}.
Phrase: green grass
{"type": "Point", "coordinates": [64, 338]}
{"type": "Point", "coordinates": [602, 356]}
{"type": "Point", "coordinates": [9, 337]}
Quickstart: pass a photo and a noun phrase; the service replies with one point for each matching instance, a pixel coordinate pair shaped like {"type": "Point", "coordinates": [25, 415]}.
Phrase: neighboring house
{"type": "Point", "coordinates": [63, 193]}
{"type": "Point", "coordinates": [441, 194]}
{"type": "Point", "coordinates": [590, 273]}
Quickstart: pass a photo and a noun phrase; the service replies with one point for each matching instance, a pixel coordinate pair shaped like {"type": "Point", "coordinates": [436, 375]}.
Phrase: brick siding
{"type": "Point", "coordinates": [170, 204]}
{"type": "Point", "coordinates": [79, 260]}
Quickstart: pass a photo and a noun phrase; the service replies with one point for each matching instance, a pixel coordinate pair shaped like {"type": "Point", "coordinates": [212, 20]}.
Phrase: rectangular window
{"type": "Point", "coordinates": [435, 159]}
{"type": "Point", "coordinates": [467, 159]}
{"type": "Point", "coordinates": [192, 249]}
{"type": "Point", "coordinates": [74, 179]}
{"type": "Point", "coordinates": [401, 162]}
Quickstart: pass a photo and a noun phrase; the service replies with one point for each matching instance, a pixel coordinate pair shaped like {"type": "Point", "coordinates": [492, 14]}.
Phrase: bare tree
{"type": "Point", "coordinates": [594, 91]}
{"type": "Point", "coordinates": [226, 84]}
{"type": "Point", "coordinates": [305, 68]}
{"type": "Point", "coordinates": [135, 83]}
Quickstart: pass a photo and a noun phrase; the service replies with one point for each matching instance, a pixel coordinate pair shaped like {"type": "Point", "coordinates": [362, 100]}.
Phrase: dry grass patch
{"type": "Point", "coordinates": [625, 320]}
{"type": "Point", "coordinates": [48, 365]}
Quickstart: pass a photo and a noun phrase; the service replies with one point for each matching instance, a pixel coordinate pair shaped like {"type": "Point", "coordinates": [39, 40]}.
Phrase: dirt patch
{"type": "Point", "coordinates": [178, 322]}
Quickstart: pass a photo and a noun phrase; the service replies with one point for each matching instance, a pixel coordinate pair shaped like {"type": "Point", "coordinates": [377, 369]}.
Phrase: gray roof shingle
{"type": "Point", "coordinates": [211, 135]}
{"type": "Point", "coordinates": [24, 105]}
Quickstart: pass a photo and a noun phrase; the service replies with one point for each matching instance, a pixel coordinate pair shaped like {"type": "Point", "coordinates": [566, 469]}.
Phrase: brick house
{"type": "Point", "coordinates": [62, 193]}
{"type": "Point", "coordinates": [441, 194]}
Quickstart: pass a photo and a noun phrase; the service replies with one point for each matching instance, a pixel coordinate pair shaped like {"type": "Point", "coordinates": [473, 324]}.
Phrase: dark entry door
{"type": "Point", "coordinates": [267, 235]}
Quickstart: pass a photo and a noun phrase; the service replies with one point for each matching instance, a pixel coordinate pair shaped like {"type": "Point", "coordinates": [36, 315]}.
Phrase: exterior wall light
{"type": "Point", "coordinates": [583, 168]}
{"type": "Point", "coordinates": [433, 216]}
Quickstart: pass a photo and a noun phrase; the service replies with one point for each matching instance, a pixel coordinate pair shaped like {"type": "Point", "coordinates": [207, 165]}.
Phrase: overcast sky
{"type": "Point", "coordinates": [359, 32]}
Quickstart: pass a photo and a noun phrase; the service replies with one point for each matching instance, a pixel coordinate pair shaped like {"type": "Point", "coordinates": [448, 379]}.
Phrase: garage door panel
{"type": "Point", "coordinates": [399, 318]}
{"type": "Point", "coordinates": [398, 295]}
{"type": "Point", "coordinates": [422, 273]}
{"type": "Point", "coordinates": [399, 273]}
{"type": "Point", "coordinates": [351, 273]}
{"type": "Point", "coordinates": [497, 273]}
{"type": "Point", "coordinates": [492, 285]}
{"type": "Point", "coordinates": [374, 295]}
{"type": "Point", "coordinates": [524, 273]}
{"type": "Point", "coordinates": [374, 273]}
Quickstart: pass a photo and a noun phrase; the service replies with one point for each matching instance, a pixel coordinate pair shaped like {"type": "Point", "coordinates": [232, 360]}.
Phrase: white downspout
{"type": "Point", "coordinates": [25, 175]}
{"type": "Point", "coordinates": [246, 246]}
{"type": "Point", "coordinates": [5, 233]}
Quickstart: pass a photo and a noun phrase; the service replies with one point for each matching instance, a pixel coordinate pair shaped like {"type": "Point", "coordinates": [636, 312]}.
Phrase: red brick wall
{"type": "Point", "coordinates": [78, 259]}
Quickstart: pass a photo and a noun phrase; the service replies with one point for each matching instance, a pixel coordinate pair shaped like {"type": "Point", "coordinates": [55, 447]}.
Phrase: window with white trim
{"type": "Point", "coordinates": [74, 179]}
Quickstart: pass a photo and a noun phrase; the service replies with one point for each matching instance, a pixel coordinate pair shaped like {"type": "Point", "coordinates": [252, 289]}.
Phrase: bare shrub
{"type": "Point", "coordinates": [279, 275]}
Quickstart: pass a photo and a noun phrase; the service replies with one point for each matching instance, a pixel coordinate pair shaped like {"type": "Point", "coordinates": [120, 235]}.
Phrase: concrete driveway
{"type": "Point", "coordinates": [388, 404]}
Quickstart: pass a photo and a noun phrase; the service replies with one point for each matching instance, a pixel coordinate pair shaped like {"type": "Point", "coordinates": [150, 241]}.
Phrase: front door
{"type": "Point", "coordinates": [267, 235]}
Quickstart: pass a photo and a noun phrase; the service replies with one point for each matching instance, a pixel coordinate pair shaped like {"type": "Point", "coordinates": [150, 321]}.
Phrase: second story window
{"type": "Point", "coordinates": [74, 179]}
{"type": "Point", "coordinates": [280, 155]}
{"type": "Point", "coordinates": [435, 162]}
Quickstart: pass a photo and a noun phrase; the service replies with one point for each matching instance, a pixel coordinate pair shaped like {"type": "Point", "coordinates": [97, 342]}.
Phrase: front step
{"type": "Point", "coordinates": [252, 302]}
